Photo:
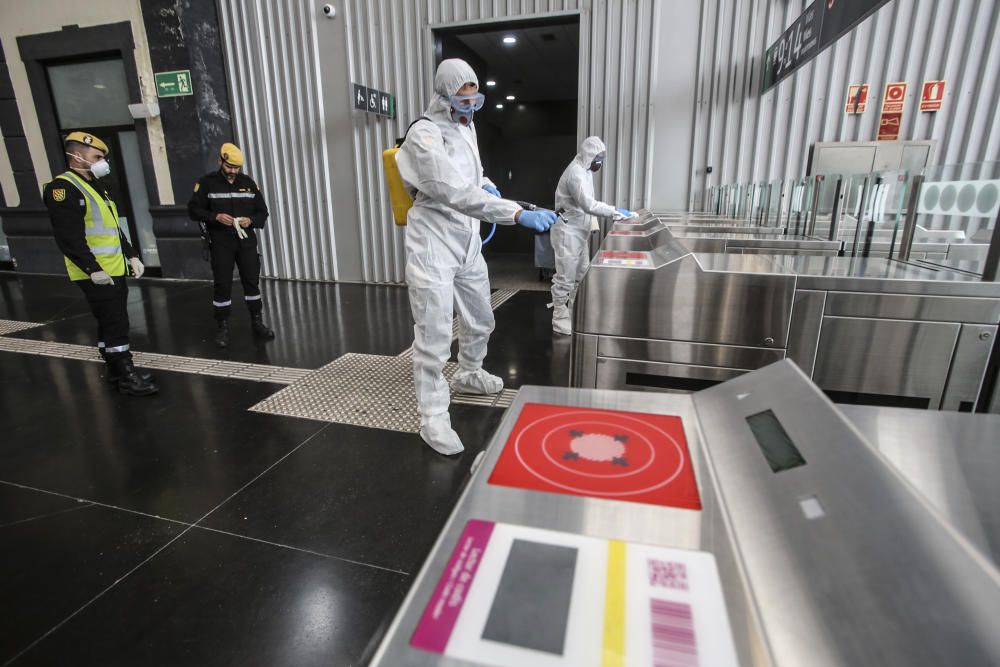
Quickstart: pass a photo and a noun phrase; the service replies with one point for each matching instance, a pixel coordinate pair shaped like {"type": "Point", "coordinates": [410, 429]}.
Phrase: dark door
{"type": "Point", "coordinates": [91, 94]}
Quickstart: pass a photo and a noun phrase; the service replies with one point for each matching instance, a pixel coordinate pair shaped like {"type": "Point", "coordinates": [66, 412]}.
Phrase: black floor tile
{"type": "Point", "coordinates": [523, 350]}
{"type": "Point", "coordinates": [176, 454]}
{"type": "Point", "coordinates": [377, 497]}
{"type": "Point", "coordinates": [315, 323]}
{"type": "Point", "coordinates": [42, 298]}
{"type": "Point", "coordinates": [54, 565]}
{"type": "Point", "coordinates": [211, 599]}
{"type": "Point", "coordinates": [18, 505]}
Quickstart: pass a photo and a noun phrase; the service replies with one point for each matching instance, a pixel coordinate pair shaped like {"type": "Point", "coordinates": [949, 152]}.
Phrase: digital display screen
{"type": "Point", "coordinates": [779, 450]}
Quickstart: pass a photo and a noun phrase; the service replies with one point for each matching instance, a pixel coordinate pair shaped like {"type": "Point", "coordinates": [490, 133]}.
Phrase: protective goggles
{"type": "Point", "coordinates": [473, 102]}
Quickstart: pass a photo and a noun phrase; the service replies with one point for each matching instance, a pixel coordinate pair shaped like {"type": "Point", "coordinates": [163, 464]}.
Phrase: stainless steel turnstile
{"type": "Point", "coordinates": [831, 550]}
{"type": "Point", "coordinates": [651, 314]}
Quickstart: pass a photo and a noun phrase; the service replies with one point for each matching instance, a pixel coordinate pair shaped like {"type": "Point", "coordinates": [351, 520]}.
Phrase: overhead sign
{"type": "Point", "coordinates": [374, 101]}
{"type": "Point", "coordinates": [894, 97]}
{"type": "Point", "coordinates": [839, 16]}
{"type": "Point", "coordinates": [857, 98]}
{"type": "Point", "coordinates": [173, 84]}
{"type": "Point", "coordinates": [798, 44]}
{"type": "Point", "coordinates": [821, 24]}
{"type": "Point", "coordinates": [932, 95]}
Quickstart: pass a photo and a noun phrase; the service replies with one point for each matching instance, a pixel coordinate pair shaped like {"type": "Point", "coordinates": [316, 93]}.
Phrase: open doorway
{"type": "Point", "coordinates": [529, 72]}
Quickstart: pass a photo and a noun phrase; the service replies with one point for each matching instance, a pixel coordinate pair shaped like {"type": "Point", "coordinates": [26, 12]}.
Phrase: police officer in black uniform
{"type": "Point", "coordinates": [97, 254]}
{"type": "Point", "coordinates": [231, 206]}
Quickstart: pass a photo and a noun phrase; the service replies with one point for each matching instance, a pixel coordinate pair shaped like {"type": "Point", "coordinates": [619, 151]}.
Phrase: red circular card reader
{"type": "Point", "coordinates": [632, 456]}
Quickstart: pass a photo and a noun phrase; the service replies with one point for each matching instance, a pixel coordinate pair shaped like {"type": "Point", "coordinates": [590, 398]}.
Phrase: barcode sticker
{"type": "Point", "coordinates": [676, 610]}
{"type": "Point", "coordinates": [674, 642]}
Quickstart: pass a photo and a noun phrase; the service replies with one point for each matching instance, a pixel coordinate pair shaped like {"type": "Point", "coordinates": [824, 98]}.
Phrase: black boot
{"type": "Point", "coordinates": [222, 334]}
{"type": "Point", "coordinates": [129, 381]}
{"type": "Point", "coordinates": [260, 330]}
{"type": "Point", "coordinates": [112, 375]}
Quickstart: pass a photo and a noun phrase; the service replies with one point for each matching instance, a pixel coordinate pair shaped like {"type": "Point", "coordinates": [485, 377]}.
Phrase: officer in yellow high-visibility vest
{"type": "Point", "coordinates": [85, 222]}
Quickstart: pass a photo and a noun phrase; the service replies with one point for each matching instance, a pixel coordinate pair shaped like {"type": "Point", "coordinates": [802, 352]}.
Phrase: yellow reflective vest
{"type": "Point", "coordinates": [101, 228]}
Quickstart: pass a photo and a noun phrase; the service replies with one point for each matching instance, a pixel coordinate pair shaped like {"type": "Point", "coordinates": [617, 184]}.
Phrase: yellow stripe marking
{"type": "Point", "coordinates": [614, 607]}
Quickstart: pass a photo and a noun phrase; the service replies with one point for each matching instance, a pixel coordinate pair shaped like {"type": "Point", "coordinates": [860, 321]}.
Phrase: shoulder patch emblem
{"type": "Point", "coordinates": [197, 185]}
{"type": "Point", "coordinates": [59, 194]}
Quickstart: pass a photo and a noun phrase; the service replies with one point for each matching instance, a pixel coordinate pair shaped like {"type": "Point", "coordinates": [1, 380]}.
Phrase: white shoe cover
{"type": "Point", "coordinates": [476, 382]}
{"type": "Point", "coordinates": [561, 323]}
{"type": "Point", "coordinates": [438, 434]}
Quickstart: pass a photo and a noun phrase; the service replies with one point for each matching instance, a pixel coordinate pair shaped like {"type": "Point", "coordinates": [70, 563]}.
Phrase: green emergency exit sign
{"type": "Point", "coordinates": [173, 84]}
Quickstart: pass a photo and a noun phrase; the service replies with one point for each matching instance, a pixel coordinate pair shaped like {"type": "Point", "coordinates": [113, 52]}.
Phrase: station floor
{"type": "Point", "coordinates": [196, 527]}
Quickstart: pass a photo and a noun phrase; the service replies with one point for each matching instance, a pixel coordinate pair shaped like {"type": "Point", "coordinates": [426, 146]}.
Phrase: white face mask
{"type": "Point", "coordinates": [99, 169]}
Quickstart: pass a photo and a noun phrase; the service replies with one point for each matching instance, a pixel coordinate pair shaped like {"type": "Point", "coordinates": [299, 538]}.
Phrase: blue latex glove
{"type": "Point", "coordinates": [492, 190]}
{"type": "Point", "coordinates": [624, 211]}
{"type": "Point", "coordinates": [540, 220]}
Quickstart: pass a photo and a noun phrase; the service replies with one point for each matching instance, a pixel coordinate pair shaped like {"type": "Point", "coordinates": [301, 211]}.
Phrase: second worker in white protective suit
{"type": "Point", "coordinates": [570, 235]}
{"type": "Point", "coordinates": [445, 269]}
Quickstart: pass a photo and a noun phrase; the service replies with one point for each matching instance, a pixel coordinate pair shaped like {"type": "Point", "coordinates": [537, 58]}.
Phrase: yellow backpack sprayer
{"type": "Point", "coordinates": [399, 195]}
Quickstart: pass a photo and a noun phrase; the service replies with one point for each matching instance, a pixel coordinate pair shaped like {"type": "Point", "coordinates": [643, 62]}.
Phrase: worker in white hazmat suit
{"type": "Point", "coordinates": [445, 269]}
{"type": "Point", "coordinates": [571, 233]}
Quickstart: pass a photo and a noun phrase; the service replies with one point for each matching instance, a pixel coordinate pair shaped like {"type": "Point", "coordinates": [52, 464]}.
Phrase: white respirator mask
{"type": "Point", "coordinates": [99, 169]}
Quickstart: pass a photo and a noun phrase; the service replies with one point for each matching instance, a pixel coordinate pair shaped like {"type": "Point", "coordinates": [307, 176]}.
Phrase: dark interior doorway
{"type": "Point", "coordinates": [525, 143]}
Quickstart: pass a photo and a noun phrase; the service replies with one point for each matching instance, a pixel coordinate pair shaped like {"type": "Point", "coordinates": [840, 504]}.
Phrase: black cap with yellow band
{"type": "Point", "coordinates": [231, 155]}
{"type": "Point", "coordinates": [87, 139]}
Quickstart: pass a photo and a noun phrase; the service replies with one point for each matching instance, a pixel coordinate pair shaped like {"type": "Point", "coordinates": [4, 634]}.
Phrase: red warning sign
{"type": "Point", "coordinates": [932, 96]}
{"type": "Point", "coordinates": [894, 98]}
{"type": "Point", "coordinates": [888, 126]}
{"type": "Point", "coordinates": [857, 98]}
{"type": "Point", "coordinates": [632, 456]}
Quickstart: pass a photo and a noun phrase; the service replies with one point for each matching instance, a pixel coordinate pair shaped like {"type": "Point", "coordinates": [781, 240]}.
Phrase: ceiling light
{"type": "Point", "coordinates": [490, 83]}
{"type": "Point", "coordinates": [510, 39]}
{"type": "Point", "coordinates": [499, 106]}
{"type": "Point", "coordinates": [511, 98]}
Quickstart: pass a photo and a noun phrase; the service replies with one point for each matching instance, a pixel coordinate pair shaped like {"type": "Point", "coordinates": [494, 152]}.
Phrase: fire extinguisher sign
{"type": "Point", "coordinates": [932, 96]}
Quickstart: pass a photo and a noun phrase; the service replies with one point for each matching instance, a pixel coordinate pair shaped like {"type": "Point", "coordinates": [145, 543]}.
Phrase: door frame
{"type": "Point", "coordinates": [75, 44]}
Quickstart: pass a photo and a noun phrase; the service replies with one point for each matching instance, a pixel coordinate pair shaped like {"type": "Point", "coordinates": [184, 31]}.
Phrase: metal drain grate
{"type": "Point", "coordinates": [501, 296]}
{"type": "Point", "coordinates": [13, 326]}
{"type": "Point", "coordinates": [501, 400]}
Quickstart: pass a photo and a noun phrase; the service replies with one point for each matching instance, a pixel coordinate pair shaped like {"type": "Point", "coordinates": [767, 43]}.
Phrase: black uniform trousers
{"type": "Point", "coordinates": [228, 251]}
{"type": "Point", "coordinates": [109, 304]}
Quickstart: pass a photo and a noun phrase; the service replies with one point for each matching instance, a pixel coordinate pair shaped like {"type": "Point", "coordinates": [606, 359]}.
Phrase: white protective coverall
{"type": "Point", "coordinates": [445, 269]}
{"type": "Point", "coordinates": [571, 233]}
